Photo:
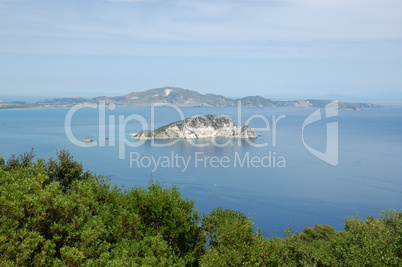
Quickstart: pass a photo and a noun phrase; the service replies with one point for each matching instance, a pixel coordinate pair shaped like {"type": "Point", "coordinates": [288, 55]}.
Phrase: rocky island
{"type": "Point", "coordinates": [205, 126]}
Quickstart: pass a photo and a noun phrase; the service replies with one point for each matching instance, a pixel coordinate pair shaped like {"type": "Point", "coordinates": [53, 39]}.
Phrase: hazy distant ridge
{"type": "Point", "coordinates": [179, 97]}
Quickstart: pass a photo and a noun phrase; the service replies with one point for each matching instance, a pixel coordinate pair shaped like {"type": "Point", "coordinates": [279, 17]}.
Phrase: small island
{"type": "Point", "coordinates": [206, 126]}
{"type": "Point", "coordinates": [351, 108]}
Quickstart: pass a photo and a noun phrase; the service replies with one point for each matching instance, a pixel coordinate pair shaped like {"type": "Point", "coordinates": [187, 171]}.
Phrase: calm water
{"type": "Point", "coordinates": [297, 189]}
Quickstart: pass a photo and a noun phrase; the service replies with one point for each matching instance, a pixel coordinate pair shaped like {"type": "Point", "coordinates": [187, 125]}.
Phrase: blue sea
{"type": "Point", "coordinates": [274, 179]}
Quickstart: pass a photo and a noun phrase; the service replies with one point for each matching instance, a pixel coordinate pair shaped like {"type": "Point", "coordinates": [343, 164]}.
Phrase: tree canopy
{"type": "Point", "coordinates": [55, 213]}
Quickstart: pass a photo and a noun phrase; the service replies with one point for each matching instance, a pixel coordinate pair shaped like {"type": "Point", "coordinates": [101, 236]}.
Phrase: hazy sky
{"type": "Point", "coordinates": [232, 47]}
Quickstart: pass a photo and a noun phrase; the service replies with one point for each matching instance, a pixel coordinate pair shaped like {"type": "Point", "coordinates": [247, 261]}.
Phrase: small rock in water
{"type": "Point", "coordinates": [88, 140]}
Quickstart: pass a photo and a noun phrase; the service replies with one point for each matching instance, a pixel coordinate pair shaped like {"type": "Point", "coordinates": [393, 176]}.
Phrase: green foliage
{"type": "Point", "coordinates": [55, 214]}
{"type": "Point", "coordinates": [233, 241]}
{"type": "Point", "coordinates": [74, 218]}
{"type": "Point", "coordinates": [19, 161]}
{"type": "Point", "coordinates": [374, 242]}
{"type": "Point", "coordinates": [166, 214]}
{"type": "Point", "coordinates": [65, 170]}
{"type": "Point", "coordinates": [2, 161]}
{"type": "Point", "coordinates": [317, 232]}
{"type": "Point", "coordinates": [288, 231]}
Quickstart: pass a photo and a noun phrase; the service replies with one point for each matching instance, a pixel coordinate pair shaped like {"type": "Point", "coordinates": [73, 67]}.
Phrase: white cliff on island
{"type": "Point", "coordinates": [206, 126]}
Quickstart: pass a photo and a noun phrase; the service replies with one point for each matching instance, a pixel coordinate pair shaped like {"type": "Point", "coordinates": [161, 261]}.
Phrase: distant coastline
{"type": "Point", "coordinates": [178, 97]}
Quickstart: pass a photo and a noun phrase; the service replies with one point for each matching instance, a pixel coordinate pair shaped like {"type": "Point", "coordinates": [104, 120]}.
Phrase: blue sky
{"type": "Point", "coordinates": [277, 48]}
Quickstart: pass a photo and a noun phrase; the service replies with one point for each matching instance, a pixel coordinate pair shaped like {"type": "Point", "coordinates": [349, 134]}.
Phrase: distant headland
{"type": "Point", "coordinates": [206, 126]}
{"type": "Point", "coordinates": [179, 97]}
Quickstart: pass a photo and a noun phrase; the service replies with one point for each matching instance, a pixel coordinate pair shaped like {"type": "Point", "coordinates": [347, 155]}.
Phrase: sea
{"type": "Point", "coordinates": [307, 165]}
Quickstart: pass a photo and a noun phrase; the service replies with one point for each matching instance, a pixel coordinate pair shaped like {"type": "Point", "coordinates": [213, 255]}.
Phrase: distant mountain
{"type": "Point", "coordinates": [169, 95]}
{"type": "Point", "coordinates": [178, 97]}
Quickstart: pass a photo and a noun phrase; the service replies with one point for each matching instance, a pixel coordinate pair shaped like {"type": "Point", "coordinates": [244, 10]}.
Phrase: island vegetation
{"type": "Point", "coordinates": [54, 213]}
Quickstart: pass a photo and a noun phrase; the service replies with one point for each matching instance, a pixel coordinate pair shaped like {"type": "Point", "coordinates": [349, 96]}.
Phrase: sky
{"type": "Point", "coordinates": [273, 48]}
